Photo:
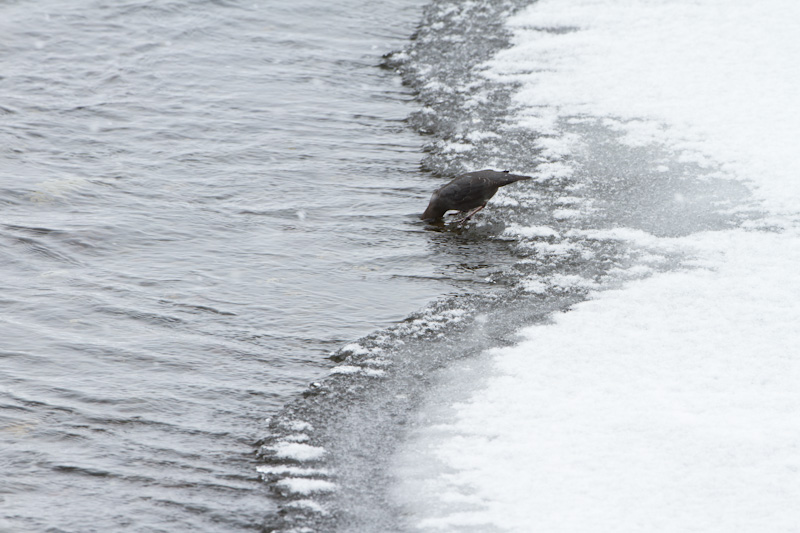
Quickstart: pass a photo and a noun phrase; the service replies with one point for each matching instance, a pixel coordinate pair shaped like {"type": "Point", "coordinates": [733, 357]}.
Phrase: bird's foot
{"type": "Point", "coordinates": [469, 215]}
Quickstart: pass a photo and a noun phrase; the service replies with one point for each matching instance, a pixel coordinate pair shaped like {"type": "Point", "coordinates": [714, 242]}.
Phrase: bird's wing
{"type": "Point", "coordinates": [465, 194]}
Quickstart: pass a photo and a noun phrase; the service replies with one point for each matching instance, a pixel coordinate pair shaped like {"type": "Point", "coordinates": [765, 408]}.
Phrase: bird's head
{"type": "Point", "coordinates": [435, 209]}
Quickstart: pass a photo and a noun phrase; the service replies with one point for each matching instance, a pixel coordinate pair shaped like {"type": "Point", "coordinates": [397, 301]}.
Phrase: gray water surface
{"type": "Point", "coordinates": [198, 202]}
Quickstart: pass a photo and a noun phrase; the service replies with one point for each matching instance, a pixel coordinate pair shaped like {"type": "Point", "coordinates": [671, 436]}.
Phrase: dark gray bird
{"type": "Point", "coordinates": [468, 193]}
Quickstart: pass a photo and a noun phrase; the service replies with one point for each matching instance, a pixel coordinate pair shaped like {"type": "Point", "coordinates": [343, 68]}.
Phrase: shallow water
{"type": "Point", "coordinates": [200, 201]}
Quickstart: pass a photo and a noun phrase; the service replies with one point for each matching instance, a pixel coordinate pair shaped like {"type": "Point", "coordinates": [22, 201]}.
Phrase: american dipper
{"type": "Point", "coordinates": [468, 193]}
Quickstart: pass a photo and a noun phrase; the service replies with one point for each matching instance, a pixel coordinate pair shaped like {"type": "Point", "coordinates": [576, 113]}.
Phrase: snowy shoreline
{"type": "Point", "coordinates": [666, 404]}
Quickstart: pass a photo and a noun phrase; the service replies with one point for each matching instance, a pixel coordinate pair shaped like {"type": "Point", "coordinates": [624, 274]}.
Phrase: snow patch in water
{"type": "Point", "coordinates": [305, 486]}
{"type": "Point", "coordinates": [297, 451]}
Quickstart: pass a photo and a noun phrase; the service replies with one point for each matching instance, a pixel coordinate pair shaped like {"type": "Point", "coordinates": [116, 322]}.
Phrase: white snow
{"type": "Point", "coordinates": [297, 451]}
{"type": "Point", "coordinates": [352, 369]}
{"type": "Point", "coordinates": [291, 470]}
{"type": "Point", "coordinates": [355, 349]}
{"type": "Point", "coordinates": [716, 79]}
{"type": "Point", "coordinates": [305, 485]}
{"type": "Point", "coordinates": [668, 403]}
{"type": "Point", "coordinates": [298, 425]}
{"type": "Point", "coordinates": [530, 231]}
{"type": "Point", "coordinates": [308, 505]}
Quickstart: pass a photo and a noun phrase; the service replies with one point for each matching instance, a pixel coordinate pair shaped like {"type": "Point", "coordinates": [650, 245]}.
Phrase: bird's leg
{"type": "Point", "coordinates": [470, 214]}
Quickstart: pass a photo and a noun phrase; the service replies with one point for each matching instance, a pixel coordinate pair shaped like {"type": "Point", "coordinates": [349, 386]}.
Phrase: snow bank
{"type": "Point", "coordinates": [670, 404]}
{"type": "Point", "coordinates": [715, 79]}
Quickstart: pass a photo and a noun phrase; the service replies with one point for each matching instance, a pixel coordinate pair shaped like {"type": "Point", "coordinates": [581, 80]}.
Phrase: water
{"type": "Point", "coordinates": [200, 201]}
